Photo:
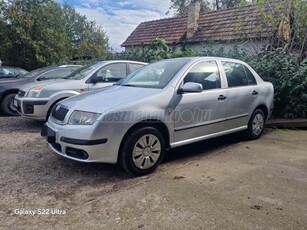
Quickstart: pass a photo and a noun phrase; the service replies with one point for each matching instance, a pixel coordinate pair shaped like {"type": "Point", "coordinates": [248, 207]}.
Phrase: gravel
{"type": "Point", "coordinates": [224, 183]}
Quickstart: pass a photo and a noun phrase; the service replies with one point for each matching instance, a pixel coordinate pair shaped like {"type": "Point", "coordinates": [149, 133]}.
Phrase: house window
{"type": "Point", "coordinates": [205, 73]}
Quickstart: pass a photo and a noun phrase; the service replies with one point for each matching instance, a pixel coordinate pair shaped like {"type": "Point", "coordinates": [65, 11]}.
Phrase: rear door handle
{"type": "Point", "coordinates": [221, 97]}
{"type": "Point", "coordinates": [254, 92]}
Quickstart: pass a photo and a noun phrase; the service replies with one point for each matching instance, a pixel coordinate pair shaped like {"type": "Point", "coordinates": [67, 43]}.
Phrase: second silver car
{"type": "Point", "coordinates": [36, 100]}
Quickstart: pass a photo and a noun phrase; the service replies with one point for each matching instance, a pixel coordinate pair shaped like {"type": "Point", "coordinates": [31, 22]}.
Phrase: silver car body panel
{"type": "Point", "coordinates": [122, 107]}
{"type": "Point", "coordinates": [59, 89]}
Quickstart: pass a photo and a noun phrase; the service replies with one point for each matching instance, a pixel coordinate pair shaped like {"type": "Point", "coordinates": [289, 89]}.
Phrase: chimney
{"type": "Point", "coordinates": [193, 16]}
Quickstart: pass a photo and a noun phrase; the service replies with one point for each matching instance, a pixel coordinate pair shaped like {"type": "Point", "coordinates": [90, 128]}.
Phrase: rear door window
{"type": "Point", "coordinates": [238, 75]}
{"type": "Point", "coordinates": [250, 77]}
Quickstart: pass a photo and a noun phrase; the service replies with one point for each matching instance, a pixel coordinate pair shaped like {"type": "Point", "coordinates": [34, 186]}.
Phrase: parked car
{"type": "Point", "coordinates": [36, 100]}
{"type": "Point", "coordinates": [163, 105]}
{"type": "Point", "coordinates": [9, 88]}
{"type": "Point", "coordinates": [11, 72]}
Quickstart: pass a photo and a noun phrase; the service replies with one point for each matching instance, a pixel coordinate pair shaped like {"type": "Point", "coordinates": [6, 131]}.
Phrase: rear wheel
{"type": "Point", "coordinates": [142, 151]}
{"type": "Point", "coordinates": [256, 124]}
{"type": "Point", "coordinates": [7, 105]}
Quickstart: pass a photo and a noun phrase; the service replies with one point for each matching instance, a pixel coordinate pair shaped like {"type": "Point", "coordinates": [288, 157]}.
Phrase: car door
{"type": "Point", "coordinates": [107, 75]}
{"type": "Point", "coordinates": [241, 92]}
{"type": "Point", "coordinates": [199, 114]}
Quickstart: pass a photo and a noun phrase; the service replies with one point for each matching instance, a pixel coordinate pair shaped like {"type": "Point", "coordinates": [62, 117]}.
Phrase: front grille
{"type": "Point", "coordinates": [59, 113]}
{"type": "Point", "coordinates": [21, 93]}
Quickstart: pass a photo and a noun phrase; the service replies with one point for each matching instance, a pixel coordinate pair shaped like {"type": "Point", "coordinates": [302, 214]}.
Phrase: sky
{"type": "Point", "coordinates": [120, 17]}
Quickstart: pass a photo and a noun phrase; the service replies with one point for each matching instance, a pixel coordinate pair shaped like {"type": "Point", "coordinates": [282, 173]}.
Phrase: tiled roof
{"type": "Point", "coordinates": [221, 25]}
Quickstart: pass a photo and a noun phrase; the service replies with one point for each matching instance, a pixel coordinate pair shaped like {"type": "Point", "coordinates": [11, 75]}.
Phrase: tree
{"type": "Point", "coordinates": [87, 39]}
{"type": "Point", "coordinates": [291, 26]}
{"type": "Point", "coordinates": [35, 33]}
{"type": "Point", "coordinates": [2, 30]}
{"type": "Point", "coordinates": [180, 6]}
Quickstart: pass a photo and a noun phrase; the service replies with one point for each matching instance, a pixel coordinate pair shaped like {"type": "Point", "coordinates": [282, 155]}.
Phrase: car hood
{"type": "Point", "coordinates": [13, 82]}
{"type": "Point", "coordinates": [48, 83]}
{"type": "Point", "coordinates": [101, 100]}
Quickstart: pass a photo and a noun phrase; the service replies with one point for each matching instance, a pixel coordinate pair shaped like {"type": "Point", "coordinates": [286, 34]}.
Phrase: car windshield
{"type": "Point", "coordinates": [155, 75]}
{"type": "Point", "coordinates": [33, 72]}
{"type": "Point", "coordinates": [83, 72]}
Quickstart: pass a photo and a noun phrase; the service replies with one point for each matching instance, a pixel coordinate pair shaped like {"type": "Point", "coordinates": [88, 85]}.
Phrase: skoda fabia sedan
{"type": "Point", "coordinates": [160, 106]}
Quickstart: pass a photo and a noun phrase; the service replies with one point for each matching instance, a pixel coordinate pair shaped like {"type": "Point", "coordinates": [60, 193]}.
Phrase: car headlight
{"type": "Point", "coordinates": [34, 91]}
{"type": "Point", "coordinates": [83, 118]}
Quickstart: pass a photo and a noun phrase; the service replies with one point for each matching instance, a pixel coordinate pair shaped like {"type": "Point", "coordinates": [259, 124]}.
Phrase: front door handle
{"type": "Point", "coordinates": [254, 92]}
{"type": "Point", "coordinates": [221, 97]}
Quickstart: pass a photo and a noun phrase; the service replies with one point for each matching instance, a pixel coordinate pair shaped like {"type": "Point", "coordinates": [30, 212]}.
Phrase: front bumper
{"type": "Point", "coordinates": [34, 108]}
{"type": "Point", "coordinates": [72, 141]}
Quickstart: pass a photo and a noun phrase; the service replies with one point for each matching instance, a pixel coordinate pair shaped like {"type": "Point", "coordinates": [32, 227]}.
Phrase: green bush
{"type": "Point", "coordinates": [289, 77]}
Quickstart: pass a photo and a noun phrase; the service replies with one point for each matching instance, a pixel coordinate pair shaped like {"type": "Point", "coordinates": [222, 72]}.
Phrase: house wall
{"type": "Point", "coordinates": [252, 47]}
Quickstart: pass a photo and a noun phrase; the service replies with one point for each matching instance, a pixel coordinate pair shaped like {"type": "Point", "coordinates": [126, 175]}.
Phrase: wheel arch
{"type": "Point", "coordinates": [264, 108]}
{"type": "Point", "coordinates": [52, 105]}
{"type": "Point", "coordinates": [7, 92]}
{"type": "Point", "coordinates": [159, 125]}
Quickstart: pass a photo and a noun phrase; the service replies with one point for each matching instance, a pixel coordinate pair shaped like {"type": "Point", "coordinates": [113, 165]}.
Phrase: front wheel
{"type": "Point", "coordinates": [142, 151]}
{"type": "Point", "coordinates": [7, 105]}
{"type": "Point", "coordinates": [256, 124]}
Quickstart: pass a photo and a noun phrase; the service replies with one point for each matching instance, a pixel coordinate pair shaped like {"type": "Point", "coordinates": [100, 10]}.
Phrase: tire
{"type": "Point", "coordinates": [256, 124]}
{"type": "Point", "coordinates": [7, 105]}
{"type": "Point", "coordinates": [142, 151]}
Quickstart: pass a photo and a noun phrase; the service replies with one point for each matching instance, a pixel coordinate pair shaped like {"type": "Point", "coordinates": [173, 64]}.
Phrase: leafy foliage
{"type": "Point", "coordinates": [36, 33]}
{"type": "Point", "coordinates": [180, 6]}
{"type": "Point", "coordinates": [86, 38]}
{"type": "Point", "coordinates": [155, 51]}
{"type": "Point", "coordinates": [237, 51]}
{"type": "Point", "coordinates": [292, 27]}
{"type": "Point", "coordinates": [289, 78]}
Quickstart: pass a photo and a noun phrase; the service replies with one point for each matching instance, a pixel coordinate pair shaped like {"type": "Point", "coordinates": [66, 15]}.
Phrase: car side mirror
{"type": "Point", "coordinates": [191, 87]}
{"type": "Point", "coordinates": [94, 80]}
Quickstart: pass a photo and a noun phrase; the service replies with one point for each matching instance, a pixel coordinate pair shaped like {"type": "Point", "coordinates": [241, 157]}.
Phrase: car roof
{"type": "Point", "coordinates": [207, 58]}
{"type": "Point", "coordinates": [126, 61]}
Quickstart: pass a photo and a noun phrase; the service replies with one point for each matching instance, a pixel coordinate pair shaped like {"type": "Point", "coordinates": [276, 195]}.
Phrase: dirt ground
{"type": "Point", "coordinates": [224, 183]}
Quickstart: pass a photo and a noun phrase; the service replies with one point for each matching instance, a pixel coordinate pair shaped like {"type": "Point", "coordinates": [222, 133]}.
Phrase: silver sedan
{"type": "Point", "coordinates": [163, 105]}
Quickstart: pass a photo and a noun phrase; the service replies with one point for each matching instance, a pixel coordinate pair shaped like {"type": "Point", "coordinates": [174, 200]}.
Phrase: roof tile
{"type": "Point", "coordinates": [221, 25]}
